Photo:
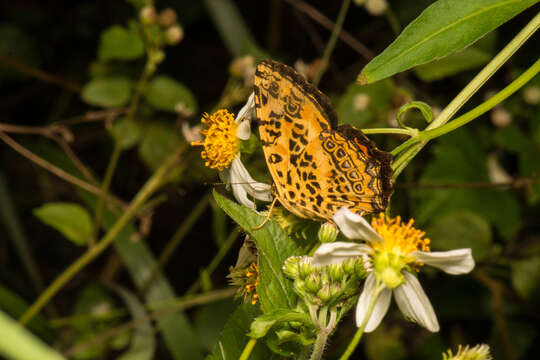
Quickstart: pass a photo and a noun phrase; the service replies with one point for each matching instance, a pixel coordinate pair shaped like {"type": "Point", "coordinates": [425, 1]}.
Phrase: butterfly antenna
{"type": "Point", "coordinates": [267, 218]}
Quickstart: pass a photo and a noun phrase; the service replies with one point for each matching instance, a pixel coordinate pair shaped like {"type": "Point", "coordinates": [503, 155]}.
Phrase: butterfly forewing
{"type": "Point", "coordinates": [317, 167]}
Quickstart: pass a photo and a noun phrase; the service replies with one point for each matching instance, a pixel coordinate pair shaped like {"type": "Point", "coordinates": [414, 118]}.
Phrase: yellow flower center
{"type": "Point", "coordinates": [220, 142]}
{"type": "Point", "coordinates": [252, 281]}
{"type": "Point", "coordinates": [399, 238]}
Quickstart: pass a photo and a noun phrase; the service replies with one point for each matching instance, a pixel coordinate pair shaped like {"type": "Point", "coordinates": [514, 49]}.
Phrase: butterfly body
{"type": "Point", "coordinates": [317, 166]}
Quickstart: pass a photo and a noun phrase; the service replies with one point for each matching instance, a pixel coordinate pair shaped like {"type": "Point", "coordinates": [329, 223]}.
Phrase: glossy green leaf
{"type": "Point", "coordinates": [463, 229]}
{"type": "Point", "coordinates": [143, 342]}
{"type": "Point", "coordinates": [107, 92]}
{"type": "Point", "coordinates": [72, 220]}
{"type": "Point", "coordinates": [126, 132]}
{"type": "Point", "coordinates": [18, 343]}
{"type": "Point", "coordinates": [118, 43]}
{"type": "Point", "coordinates": [167, 94]}
{"type": "Point", "coordinates": [274, 289]}
{"type": "Point", "coordinates": [262, 324]}
{"type": "Point", "coordinates": [526, 277]}
{"type": "Point", "coordinates": [466, 59]}
{"type": "Point", "coordinates": [441, 29]}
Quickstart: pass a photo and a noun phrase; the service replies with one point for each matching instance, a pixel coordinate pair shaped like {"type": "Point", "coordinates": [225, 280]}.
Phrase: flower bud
{"type": "Point", "coordinates": [290, 267]}
{"type": "Point", "coordinates": [376, 7]}
{"type": "Point", "coordinates": [324, 278]}
{"type": "Point", "coordinates": [361, 102]}
{"type": "Point", "coordinates": [361, 267]}
{"type": "Point", "coordinates": [313, 283]}
{"type": "Point", "coordinates": [349, 266]}
{"type": "Point", "coordinates": [328, 232]}
{"type": "Point", "coordinates": [174, 34]}
{"type": "Point", "coordinates": [336, 273]}
{"type": "Point", "coordinates": [304, 267]}
{"type": "Point", "coordinates": [299, 286]}
{"type": "Point", "coordinates": [167, 17]}
{"type": "Point", "coordinates": [324, 294]}
{"type": "Point", "coordinates": [531, 95]}
{"type": "Point", "coordinates": [148, 15]}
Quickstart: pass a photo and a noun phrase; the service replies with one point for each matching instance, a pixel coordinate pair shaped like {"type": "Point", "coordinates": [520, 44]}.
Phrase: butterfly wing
{"type": "Point", "coordinates": [295, 121]}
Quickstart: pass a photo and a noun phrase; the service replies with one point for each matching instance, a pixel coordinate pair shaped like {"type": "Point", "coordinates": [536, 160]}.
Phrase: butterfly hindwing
{"type": "Point", "coordinates": [316, 166]}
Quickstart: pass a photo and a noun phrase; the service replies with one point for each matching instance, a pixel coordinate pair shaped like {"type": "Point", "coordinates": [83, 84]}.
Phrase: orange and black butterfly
{"type": "Point", "coordinates": [317, 166]}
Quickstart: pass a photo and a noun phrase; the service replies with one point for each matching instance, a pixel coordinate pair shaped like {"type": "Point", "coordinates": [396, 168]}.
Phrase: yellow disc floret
{"type": "Point", "coordinates": [393, 254]}
{"type": "Point", "coordinates": [220, 142]}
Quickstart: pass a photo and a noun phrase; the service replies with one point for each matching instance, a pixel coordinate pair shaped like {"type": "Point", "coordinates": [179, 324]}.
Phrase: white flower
{"type": "Point", "coordinates": [396, 250]}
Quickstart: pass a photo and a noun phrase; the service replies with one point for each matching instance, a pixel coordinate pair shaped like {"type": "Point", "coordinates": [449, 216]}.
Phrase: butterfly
{"type": "Point", "coordinates": [317, 166]}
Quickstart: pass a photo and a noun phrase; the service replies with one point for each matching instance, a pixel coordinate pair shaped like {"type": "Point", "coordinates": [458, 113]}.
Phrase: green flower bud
{"type": "Point", "coordinates": [174, 34]}
{"type": "Point", "coordinates": [148, 15]}
{"type": "Point", "coordinates": [290, 267]}
{"type": "Point", "coordinates": [325, 278]}
{"type": "Point", "coordinates": [336, 273]}
{"type": "Point", "coordinates": [324, 294]}
{"type": "Point", "coordinates": [299, 286]}
{"type": "Point", "coordinates": [360, 268]}
{"type": "Point", "coordinates": [349, 266]}
{"type": "Point", "coordinates": [304, 267]}
{"type": "Point", "coordinates": [313, 283]}
{"type": "Point", "coordinates": [167, 17]}
{"type": "Point", "coordinates": [328, 232]}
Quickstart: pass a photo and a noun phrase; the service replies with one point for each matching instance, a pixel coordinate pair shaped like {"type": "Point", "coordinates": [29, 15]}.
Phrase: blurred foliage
{"type": "Point", "coordinates": [106, 91]}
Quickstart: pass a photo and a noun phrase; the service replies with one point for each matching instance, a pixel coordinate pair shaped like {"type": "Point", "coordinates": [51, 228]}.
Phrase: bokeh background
{"type": "Point", "coordinates": [476, 187]}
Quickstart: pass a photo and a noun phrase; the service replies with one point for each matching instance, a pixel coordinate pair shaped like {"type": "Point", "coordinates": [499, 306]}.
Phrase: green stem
{"type": "Point", "coordinates": [486, 73]}
{"type": "Point", "coordinates": [409, 132]}
{"type": "Point", "coordinates": [358, 336]}
{"type": "Point", "coordinates": [465, 94]}
{"type": "Point", "coordinates": [320, 343]}
{"type": "Point", "coordinates": [113, 161]}
{"type": "Point", "coordinates": [146, 191]}
{"type": "Point", "coordinates": [485, 106]}
{"type": "Point", "coordinates": [332, 42]}
{"type": "Point", "coordinates": [247, 349]}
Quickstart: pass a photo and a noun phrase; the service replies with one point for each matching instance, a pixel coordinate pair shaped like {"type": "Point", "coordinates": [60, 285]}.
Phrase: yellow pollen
{"type": "Point", "coordinates": [252, 281]}
{"type": "Point", "coordinates": [400, 238]}
{"type": "Point", "coordinates": [220, 142]}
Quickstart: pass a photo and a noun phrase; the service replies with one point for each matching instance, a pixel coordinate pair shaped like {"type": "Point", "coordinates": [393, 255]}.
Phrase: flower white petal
{"type": "Point", "coordinates": [247, 110]}
{"type": "Point", "coordinates": [379, 310]}
{"type": "Point", "coordinates": [355, 226]}
{"type": "Point", "coordinates": [337, 252]}
{"type": "Point", "coordinates": [243, 184]}
{"type": "Point", "coordinates": [414, 304]}
{"type": "Point", "coordinates": [243, 130]}
{"type": "Point", "coordinates": [455, 262]}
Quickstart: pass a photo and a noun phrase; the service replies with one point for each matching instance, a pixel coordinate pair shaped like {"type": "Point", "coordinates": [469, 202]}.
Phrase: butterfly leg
{"type": "Point", "coordinates": [267, 218]}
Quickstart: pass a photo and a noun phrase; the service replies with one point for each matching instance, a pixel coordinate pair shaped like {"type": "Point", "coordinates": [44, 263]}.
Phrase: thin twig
{"type": "Point", "coordinates": [40, 74]}
{"type": "Point", "coordinates": [59, 172]}
{"type": "Point", "coordinates": [325, 22]}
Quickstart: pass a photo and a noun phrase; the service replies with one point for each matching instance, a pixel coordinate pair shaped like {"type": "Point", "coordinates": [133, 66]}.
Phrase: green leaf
{"type": "Point", "coordinates": [262, 324]}
{"type": "Point", "coordinates": [119, 43]}
{"type": "Point", "coordinates": [466, 59]}
{"type": "Point", "coordinates": [18, 343]}
{"type": "Point", "coordinates": [210, 320]}
{"type": "Point", "coordinates": [107, 92]}
{"type": "Point", "coordinates": [274, 289]}
{"type": "Point", "coordinates": [140, 263]}
{"type": "Point", "coordinates": [443, 28]}
{"type": "Point", "coordinates": [126, 132]}
{"type": "Point", "coordinates": [526, 277]}
{"type": "Point", "coordinates": [463, 229]}
{"type": "Point", "coordinates": [424, 108]}
{"type": "Point", "coordinates": [233, 338]}
{"type": "Point", "coordinates": [143, 342]}
{"type": "Point", "coordinates": [72, 220]}
{"type": "Point", "coordinates": [158, 140]}
{"type": "Point", "coordinates": [167, 94]}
